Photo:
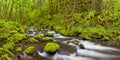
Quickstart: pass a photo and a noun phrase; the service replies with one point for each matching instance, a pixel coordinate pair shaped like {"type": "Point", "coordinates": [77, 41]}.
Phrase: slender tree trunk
{"type": "Point", "coordinates": [73, 11]}
{"type": "Point", "coordinates": [65, 14]}
{"type": "Point", "coordinates": [100, 7]}
{"type": "Point", "coordinates": [92, 4]}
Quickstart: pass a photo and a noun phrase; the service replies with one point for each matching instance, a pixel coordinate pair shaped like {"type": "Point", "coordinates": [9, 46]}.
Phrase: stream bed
{"type": "Point", "coordinates": [70, 51]}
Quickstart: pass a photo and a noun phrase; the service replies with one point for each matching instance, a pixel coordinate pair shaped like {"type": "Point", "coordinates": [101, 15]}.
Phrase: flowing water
{"type": "Point", "coordinates": [92, 51]}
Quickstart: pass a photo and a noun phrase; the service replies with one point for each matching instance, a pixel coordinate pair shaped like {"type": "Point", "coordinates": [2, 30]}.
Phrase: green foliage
{"type": "Point", "coordinates": [19, 49]}
{"type": "Point", "coordinates": [51, 47]}
{"type": "Point", "coordinates": [47, 39]}
{"type": "Point", "coordinates": [3, 51]}
{"type": "Point", "coordinates": [9, 45]}
{"type": "Point", "coordinates": [19, 37]}
{"type": "Point", "coordinates": [30, 50]}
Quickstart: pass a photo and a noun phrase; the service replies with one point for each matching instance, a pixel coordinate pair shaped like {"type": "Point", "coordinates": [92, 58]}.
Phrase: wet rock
{"type": "Point", "coordinates": [67, 49]}
{"type": "Point", "coordinates": [69, 42]}
{"type": "Point", "coordinates": [81, 46]}
{"type": "Point", "coordinates": [63, 52]}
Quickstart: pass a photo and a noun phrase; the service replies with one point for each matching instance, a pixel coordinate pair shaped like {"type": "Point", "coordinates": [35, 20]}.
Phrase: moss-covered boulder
{"type": "Point", "coordinates": [46, 39]}
{"type": "Point", "coordinates": [19, 49]}
{"type": "Point", "coordinates": [76, 42]}
{"type": "Point", "coordinates": [48, 35]}
{"type": "Point", "coordinates": [30, 50]}
{"type": "Point", "coordinates": [38, 36]}
{"type": "Point", "coordinates": [51, 47]}
{"type": "Point", "coordinates": [32, 40]}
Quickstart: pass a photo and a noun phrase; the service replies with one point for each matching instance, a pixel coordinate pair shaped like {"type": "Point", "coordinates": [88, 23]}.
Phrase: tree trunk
{"type": "Point", "coordinates": [100, 7]}
{"type": "Point", "coordinates": [92, 4]}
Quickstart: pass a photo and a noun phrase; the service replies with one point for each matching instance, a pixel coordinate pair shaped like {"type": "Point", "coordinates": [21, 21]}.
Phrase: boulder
{"type": "Point", "coordinates": [51, 47]}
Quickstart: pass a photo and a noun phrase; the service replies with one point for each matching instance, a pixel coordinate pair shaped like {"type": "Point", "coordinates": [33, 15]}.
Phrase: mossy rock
{"type": "Point", "coordinates": [30, 50]}
{"type": "Point", "coordinates": [51, 47]}
{"type": "Point", "coordinates": [48, 35]}
{"type": "Point", "coordinates": [5, 57]}
{"type": "Point", "coordinates": [47, 39]}
{"type": "Point", "coordinates": [38, 36]}
{"type": "Point", "coordinates": [32, 40]}
{"type": "Point", "coordinates": [19, 49]}
{"type": "Point", "coordinates": [76, 42]}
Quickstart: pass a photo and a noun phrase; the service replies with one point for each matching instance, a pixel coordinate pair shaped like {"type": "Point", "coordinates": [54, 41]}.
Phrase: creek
{"type": "Point", "coordinates": [70, 51]}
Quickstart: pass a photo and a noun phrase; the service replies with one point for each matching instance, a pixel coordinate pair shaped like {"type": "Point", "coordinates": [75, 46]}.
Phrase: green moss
{"type": "Point", "coordinates": [47, 39]}
{"type": "Point", "coordinates": [13, 32]}
{"type": "Point", "coordinates": [51, 47]}
{"type": "Point", "coordinates": [38, 36]}
{"type": "Point", "coordinates": [19, 49]}
{"type": "Point", "coordinates": [76, 42]}
{"type": "Point", "coordinates": [32, 40]}
{"type": "Point", "coordinates": [9, 45]}
{"type": "Point", "coordinates": [5, 56]}
{"type": "Point", "coordinates": [30, 50]}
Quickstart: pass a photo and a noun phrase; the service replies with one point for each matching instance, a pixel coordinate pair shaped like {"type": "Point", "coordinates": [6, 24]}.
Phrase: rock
{"type": "Point", "coordinates": [51, 47]}
{"type": "Point", "coordinates": [81, 46]}
{"type": "Point", "coordinates": [63, 52]}
{"type": "Point", "coordinates": [30, 50]}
